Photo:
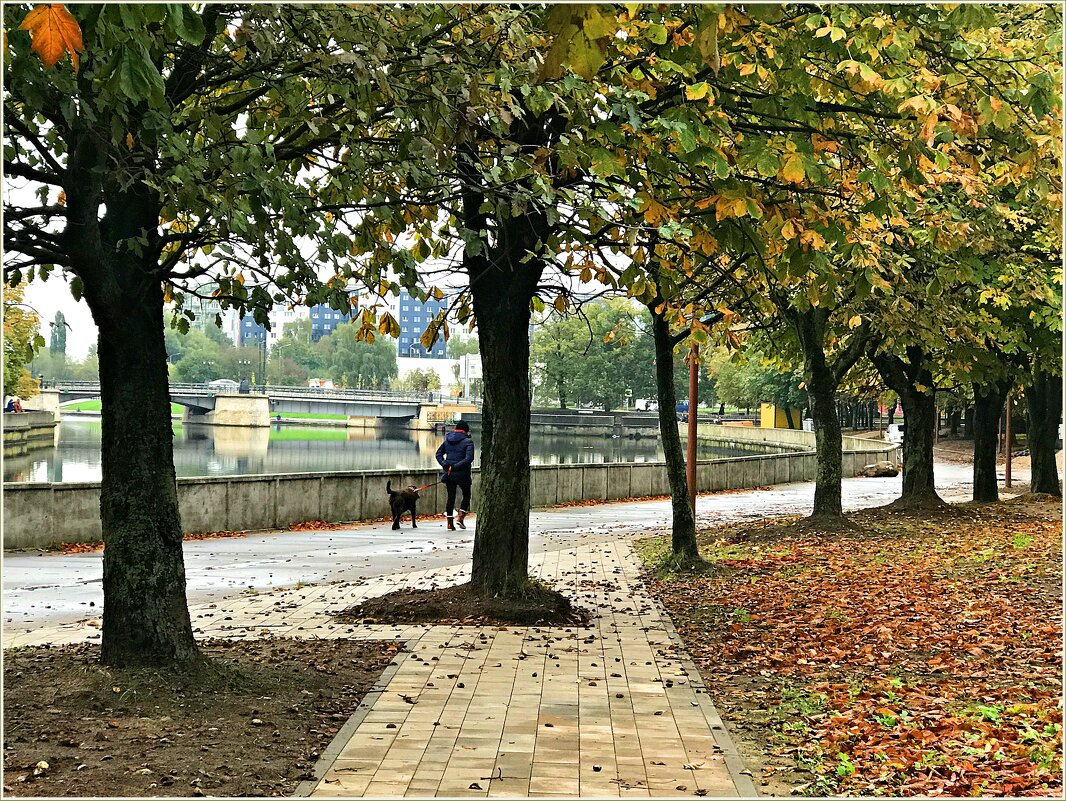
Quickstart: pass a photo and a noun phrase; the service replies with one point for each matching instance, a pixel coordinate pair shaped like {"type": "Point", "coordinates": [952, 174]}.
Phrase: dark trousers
{"type": "Point", "coordinates": [463, 483]}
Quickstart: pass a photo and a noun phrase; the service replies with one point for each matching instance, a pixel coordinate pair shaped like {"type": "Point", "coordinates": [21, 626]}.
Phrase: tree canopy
{"type": "Point", "coordinates": [847, 183]}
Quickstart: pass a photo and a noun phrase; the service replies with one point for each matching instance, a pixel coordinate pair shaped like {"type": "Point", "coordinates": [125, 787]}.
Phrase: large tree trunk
{"type": "Point", "coordinates": [503, 279]}
{"type": "Point", "coordinates": [683, 536]}
{"type": "Point", "coordinates": [501, 542]}
{"type": "Point", "coordinates": [919, 414]}
{"type": "Point", "coordinates": [1044, 399]}
{"type": "Point", "coordinates": [822, 379]}
{"type": "Point", "coordinates": [146, 615]}
{"type": "Point", "coordinates": [829, 445]}
{"type": "Point", "coordinates": [988, 405]}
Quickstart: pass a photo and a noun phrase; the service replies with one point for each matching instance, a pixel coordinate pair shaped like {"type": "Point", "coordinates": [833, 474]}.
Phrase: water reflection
{"type": "Point", "coordinates": [230, 450]}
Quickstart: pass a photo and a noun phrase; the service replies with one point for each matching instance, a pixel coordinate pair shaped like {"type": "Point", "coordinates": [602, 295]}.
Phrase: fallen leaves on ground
{"type": "Point", "coordinates": [912, 656]}
{"type": "Point", "coordinates": [601, 501]}
{"type": "Point", "coordinates": [67, 548]}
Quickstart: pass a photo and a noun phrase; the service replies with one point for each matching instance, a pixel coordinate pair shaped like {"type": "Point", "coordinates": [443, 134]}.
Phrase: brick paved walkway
{"type": "Point", "coordinates": [612, 710]}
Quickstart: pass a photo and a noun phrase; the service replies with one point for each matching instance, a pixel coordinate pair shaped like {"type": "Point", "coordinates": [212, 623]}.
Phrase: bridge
{"type": "Point", "coordinates": [212, 404]}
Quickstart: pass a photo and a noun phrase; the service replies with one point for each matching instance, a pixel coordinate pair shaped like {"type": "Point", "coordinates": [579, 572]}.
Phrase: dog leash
{"type": "Point", "coordinates": [419, 489]}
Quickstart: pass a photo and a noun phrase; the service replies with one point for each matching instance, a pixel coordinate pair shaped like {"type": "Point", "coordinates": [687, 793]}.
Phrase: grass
{"type": "Point", "coordinates": [311, 416]}
{"type": "Point", "coordinates": [94, 406]}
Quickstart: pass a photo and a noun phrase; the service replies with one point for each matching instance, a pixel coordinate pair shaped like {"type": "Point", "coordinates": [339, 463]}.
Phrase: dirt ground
{"type": "Point", "coordinates": [460, 605]}
{"type": "Point", "coordinates": [915, 654]}
{"type": "Point", "coordinates": [252, 721]}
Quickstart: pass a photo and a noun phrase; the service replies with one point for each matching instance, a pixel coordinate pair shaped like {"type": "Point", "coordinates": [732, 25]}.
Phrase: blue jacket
{"type": "Point", "coordinates": [456, 452]}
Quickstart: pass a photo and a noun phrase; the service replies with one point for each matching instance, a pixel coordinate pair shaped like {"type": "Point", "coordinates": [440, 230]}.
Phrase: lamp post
{"type": "Point", "coordinates": [277, 349]}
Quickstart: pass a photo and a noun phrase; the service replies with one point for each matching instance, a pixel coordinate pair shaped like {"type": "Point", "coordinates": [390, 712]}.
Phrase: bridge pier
{"type": "Point", "coordinates": [431, 416]}
{"type": "Point", "coordinates": [233, 410]}
{"type": "Point", "coordinates": [47, 400]}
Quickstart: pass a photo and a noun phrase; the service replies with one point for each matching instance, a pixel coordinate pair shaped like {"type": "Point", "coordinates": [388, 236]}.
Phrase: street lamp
{"type": "Point", "coordinates": [276, 349]}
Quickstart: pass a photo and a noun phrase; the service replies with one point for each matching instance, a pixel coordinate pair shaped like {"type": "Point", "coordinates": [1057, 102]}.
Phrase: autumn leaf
{"type": "Point", "coordinates": [54, 32]}
{"type": "Point", "coordinates": [792, 170]}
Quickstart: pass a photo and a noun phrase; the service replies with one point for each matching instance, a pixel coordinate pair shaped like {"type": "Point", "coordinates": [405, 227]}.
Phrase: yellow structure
{"type": "Point", "coordinates": [771, 416]}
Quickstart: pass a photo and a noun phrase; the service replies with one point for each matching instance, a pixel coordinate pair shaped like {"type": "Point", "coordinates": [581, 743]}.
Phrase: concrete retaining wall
{"type": "Point", "coordinates": [43, 515]}
{"type": "Point", "coordinates": [23, 431]}
{"type": "Point", "coordinates": [782, 437]}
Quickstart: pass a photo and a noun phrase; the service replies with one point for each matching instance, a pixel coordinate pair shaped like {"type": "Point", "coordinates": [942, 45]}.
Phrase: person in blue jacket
{"type": "Point", "coordinates": [456, 455]}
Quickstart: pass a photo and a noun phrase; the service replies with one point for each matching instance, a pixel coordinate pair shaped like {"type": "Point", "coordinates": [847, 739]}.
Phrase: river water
{"type": "Point", "coordinates": [201, 450]}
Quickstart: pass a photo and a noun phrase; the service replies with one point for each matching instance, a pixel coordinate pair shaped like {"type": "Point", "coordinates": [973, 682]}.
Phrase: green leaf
{"type": "Point", "coordinates": [186, 23]}
{"type": "Point", "coordinates": [657, 34]}
{"type": "Point", "coordinates": [77, 288]}
{"type": "Point", "coordinates": [767, 164]}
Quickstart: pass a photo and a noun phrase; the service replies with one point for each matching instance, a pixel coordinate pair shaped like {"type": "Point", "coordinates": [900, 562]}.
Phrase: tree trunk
{"type": "Point", "coordinates": [504, 272]}
{"type": "Point", "coordinates": [1044, 400]}
{"type": "Point", "coordinates": [683, 537]}
{"type": "Point", "coordinates": [146, 615]}
{"type": "Point", "coordinates": [501, 542]}
{"type": "Point", "coordinates": [828, 444]}
{"type": "Point", "coordinates": [988, 407]}
{"type": "Point", "coordinates": [919, 414]}
{"type": "Point", "coordinates": [822, 379]}
{"type": "Point", "coordinates": [953, 421]}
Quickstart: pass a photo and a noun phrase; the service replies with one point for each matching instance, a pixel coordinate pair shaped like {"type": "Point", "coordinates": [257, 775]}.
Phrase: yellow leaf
{"type": "Point", "coordinates": [560, 303]}
{"type": "Point", "coordinates": [792, 170]}
{"type": "Point", "coordinates": [788, 230]}
{"type": "Point", "coordinates": [928, 132]}
{"type": "Point", "coordinates": [697, 91]}
{"type": "Point", "coordinates": [239, 278]}
{"type": "Point", "coordinates": [62, 199]}
{"type": "Point", "coordinates": [129, 141]}
{"type": "Point", "coordinates": [54, 32]}
{"type": "Point", "coordinates": [854, 322]}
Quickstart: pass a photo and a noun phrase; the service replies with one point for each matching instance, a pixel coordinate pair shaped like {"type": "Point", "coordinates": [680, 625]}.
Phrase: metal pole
{"type": "Point", "coordinates": [693, 399]}
{"type": "Point", "coordinates": [1006, 470]}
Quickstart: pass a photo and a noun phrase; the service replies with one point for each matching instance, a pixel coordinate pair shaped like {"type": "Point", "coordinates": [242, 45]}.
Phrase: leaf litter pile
{"type": "Point", "coordinates": [534, 604]}
{"type": "Point", "coordinates": [911, 656]}
{"type": "Point", "coordinates": [251, 721]}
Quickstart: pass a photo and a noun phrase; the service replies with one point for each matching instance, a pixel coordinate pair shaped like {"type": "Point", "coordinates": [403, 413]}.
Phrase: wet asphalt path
{"type": "Point", "coordinates": [48, 588]}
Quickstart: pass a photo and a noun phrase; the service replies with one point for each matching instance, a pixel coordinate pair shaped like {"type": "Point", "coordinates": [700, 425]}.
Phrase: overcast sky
{"type": "Point", "coordinates": [48, 297]}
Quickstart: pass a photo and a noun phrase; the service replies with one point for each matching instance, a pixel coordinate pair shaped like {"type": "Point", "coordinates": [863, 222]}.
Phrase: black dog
{"type": "Point", "coordinates": [400, 502]}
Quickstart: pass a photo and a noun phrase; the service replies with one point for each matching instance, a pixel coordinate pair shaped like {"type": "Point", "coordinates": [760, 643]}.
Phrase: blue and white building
{"type": "Point", "coordinates": [324, 320]}
{"type": "Point", "coordinates": [414, 316]}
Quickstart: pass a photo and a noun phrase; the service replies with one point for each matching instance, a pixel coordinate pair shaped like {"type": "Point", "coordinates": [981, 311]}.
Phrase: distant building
{"type": "Point", "coordinates": [414, 316]}
{"type": "Point", "coordinates": [325, 320]}
{"type": "Point", "coordinates": [250, 333]}
{"type": "Point", "coordinates": [205, 308]}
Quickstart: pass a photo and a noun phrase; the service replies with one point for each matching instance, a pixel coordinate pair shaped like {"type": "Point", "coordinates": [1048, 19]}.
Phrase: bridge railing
{"type": "Point", "coordinates": [279, 391]}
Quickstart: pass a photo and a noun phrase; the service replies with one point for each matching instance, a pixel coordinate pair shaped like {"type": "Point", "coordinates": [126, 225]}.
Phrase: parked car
{"type": "Point", "coordinates": [894, 433]}
{"type": "Point", "coordinates": [223, 385]}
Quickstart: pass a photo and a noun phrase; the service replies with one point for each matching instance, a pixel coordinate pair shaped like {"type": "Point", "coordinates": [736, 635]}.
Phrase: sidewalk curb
{"type": "Point", "coordinates": [347, 731]}
{"type": "Point", "coordinates": [743, 781]}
